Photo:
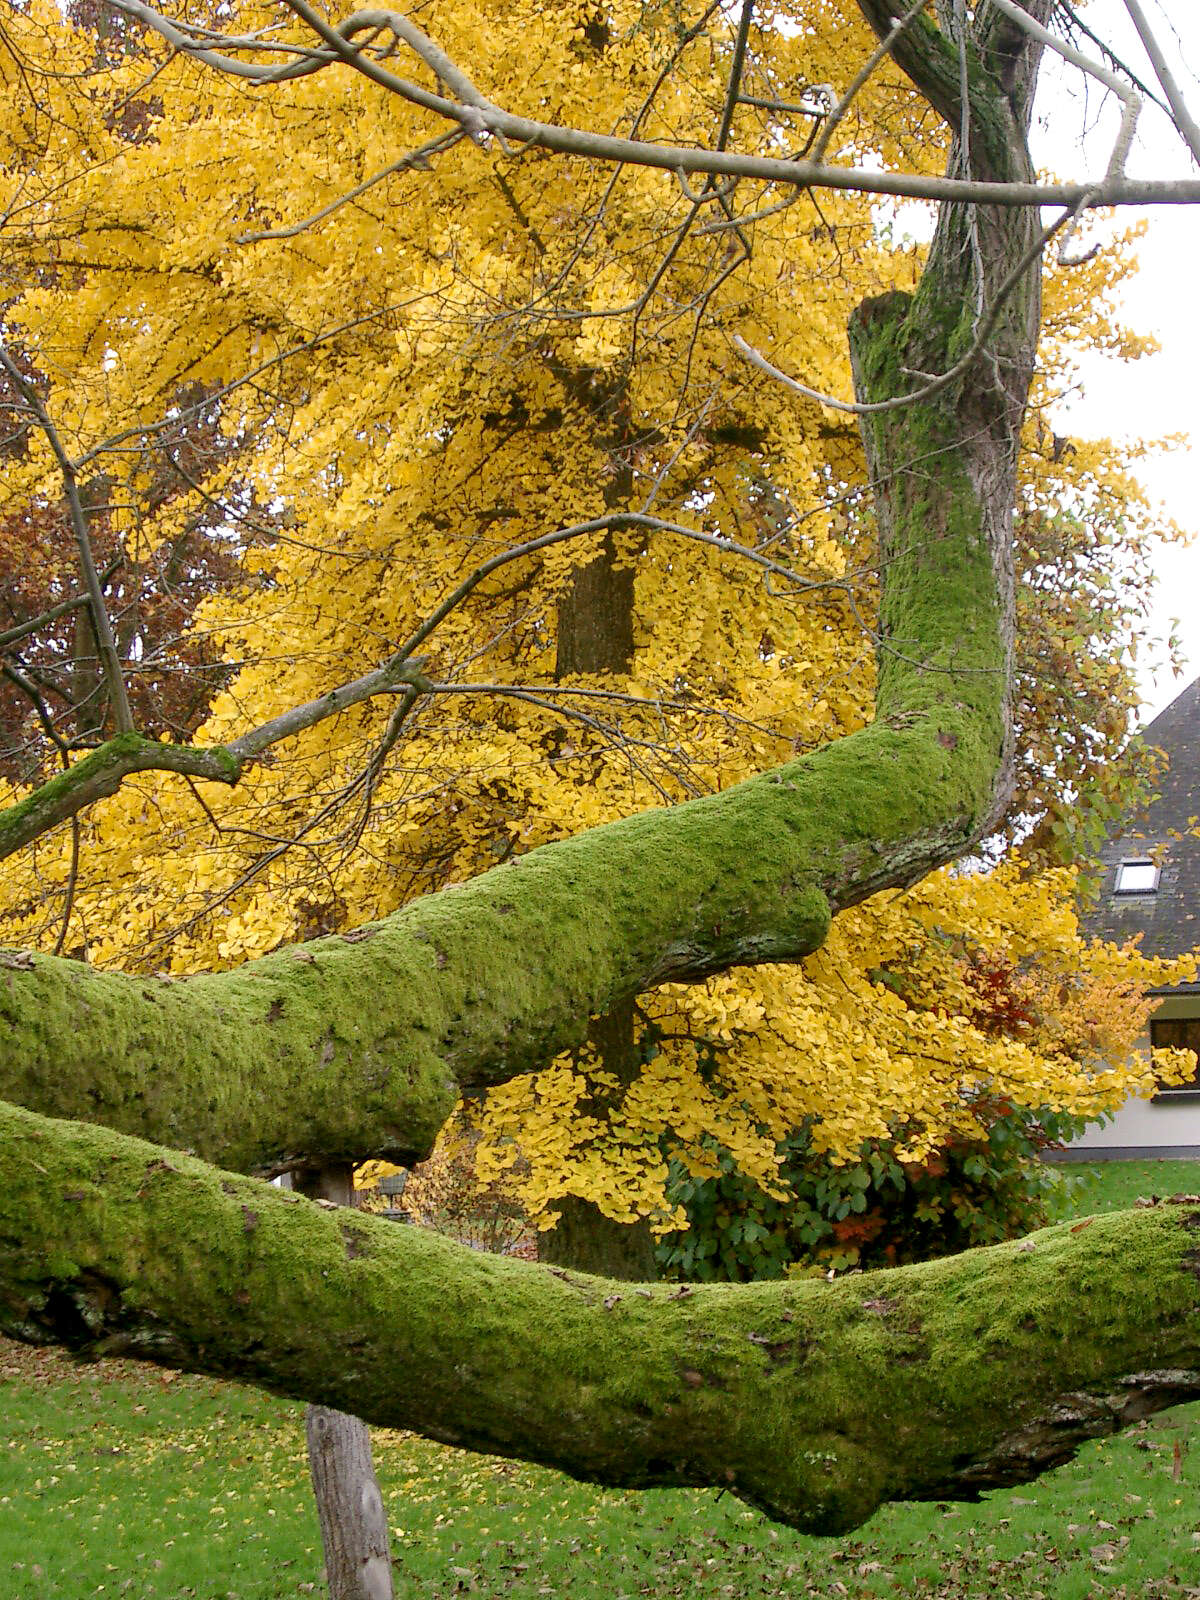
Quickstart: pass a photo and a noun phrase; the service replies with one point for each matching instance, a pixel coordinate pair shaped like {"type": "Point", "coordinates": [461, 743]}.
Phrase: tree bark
{"type": "Point", "coordinates": [813, 1401]}
{"type": "Point", "coordinates": [354, 1529]}
{"type": "Point", "coordinates": [595, 615]}
{"type": "Point", "coordinates": [595, 634]}
{"type": "Point", "coordinates": [354, 1526]}
{"type": "Point", "coordinates": [583, 1237]}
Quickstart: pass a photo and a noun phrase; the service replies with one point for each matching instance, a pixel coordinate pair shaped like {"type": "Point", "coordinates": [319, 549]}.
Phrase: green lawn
{"type": "Point", "coordinates": [117, 1480]}
{"type": "Point", "coordinates": [1116, 1185]}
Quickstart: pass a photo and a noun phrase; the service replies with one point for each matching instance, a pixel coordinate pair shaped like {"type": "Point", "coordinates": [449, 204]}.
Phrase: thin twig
{"type": "Point", "coordinates": [101, 622]}
{"type": "Point", "coordinates": [935, 385]}
{"type": "Point", "coordinates": [418, 159]}
{"type": "Point", "coordinates": [860, 79]}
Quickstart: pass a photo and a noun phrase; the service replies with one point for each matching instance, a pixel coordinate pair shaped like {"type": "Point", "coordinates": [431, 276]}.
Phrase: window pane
{"type": "Point", "coordinates": [1133, 876]}
{"type": "Point", "coordinates": [1177, 1033]}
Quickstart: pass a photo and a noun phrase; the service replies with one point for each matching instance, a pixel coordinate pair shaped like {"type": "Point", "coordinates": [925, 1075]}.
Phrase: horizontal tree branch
{"type": "Point", "coordinates": [102, 773]}
{"type": "Point", "coordinates": [481, 119]}
{"type": "Point", "coordinates": [815, 1402]}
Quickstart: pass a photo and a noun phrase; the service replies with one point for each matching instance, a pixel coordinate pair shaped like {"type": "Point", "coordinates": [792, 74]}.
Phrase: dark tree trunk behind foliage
{"type": "Point", "coordinates": [595, 635]}
{"type": "Point", "coordinates": [584, 1237]}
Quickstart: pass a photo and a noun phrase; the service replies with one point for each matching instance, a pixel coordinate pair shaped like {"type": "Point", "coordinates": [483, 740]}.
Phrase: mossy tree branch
{"type": "Point", "coordinates": [100, 774]}
{"type": "Point", "coordinates": [815, 1402]}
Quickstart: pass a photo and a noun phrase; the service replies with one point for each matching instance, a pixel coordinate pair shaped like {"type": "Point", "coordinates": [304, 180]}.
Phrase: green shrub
{"type": "Point", "coordinates": [875, 1212]}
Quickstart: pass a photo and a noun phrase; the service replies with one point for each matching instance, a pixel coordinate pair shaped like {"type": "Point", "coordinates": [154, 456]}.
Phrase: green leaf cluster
{"type": "Point", "coordinates": [875, 1211]}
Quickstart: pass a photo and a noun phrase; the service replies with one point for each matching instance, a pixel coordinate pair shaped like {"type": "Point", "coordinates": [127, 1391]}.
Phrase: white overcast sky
{"type": "Point", "coordinates": [1160, 394]}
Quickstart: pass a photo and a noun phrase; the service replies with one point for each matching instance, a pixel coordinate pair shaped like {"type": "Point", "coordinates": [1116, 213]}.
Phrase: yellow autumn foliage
{"type": "Point", "coordinates": [475, 351]}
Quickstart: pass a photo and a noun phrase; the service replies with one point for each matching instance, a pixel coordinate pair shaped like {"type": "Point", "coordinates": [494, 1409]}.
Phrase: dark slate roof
{"type": "Point", "coordinates": [1169, 917]}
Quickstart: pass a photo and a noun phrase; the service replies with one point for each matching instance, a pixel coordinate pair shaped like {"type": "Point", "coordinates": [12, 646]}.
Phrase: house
{"type": "Point", "coordinates": [1151, 886]}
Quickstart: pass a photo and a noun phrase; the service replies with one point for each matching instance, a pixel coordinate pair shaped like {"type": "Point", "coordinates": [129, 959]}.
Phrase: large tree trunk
{"type": "Point", "coordinates": [595, 634]}
{"type": "Point", "coordinates": [354, 1526]}
{"type": "Point", "coordinates": [584, 1237]}
{"type": "Point", "coordinates": [813, 1401]}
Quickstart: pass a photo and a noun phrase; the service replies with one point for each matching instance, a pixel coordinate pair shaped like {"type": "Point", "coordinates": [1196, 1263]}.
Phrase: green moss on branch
{"type": "Point", "coordinates": [100, 774]}
{"type": "Point", "coordinates": [815, 1402]}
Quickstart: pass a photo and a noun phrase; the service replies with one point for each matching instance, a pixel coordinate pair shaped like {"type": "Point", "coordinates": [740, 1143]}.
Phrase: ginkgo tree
{"type": "Point", "coordinates": [358, 1044]}
{"type": "Point", "coordinates": [555, 369]}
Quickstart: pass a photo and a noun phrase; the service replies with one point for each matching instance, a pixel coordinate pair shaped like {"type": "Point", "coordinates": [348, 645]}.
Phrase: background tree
{"type": "Point", "coordinates": [569, 359]}
{"type": "Point", "coordinates": [356, 1046]}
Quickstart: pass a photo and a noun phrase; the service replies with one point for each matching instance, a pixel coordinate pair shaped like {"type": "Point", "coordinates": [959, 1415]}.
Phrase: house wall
{"type": "Point", "coordinates": [1168, 1125]}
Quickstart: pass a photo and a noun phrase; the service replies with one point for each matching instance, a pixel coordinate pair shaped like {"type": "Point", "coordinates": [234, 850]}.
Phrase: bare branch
{"type": "Point", "coordinates": [1125, 92]}
{"type": "Point", "coordinates": [1184, 120]}
{"type": "Point", "coordinates": [418, 159]}
{"type": "Point", "coordinates": [1067, 10]}
{"type": "Point", "coordinates": [479, 117]}
{"type": "Point", "coordinates": [106, 643]}
{"type": "Point", "coordinates": [396, 674]}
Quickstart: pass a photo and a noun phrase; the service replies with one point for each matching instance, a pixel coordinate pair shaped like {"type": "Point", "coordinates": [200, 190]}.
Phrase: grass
{"type": "Point", "coordinates": [117, 1480]}
{"type": "Point", "coordinates": [1116, 1185]}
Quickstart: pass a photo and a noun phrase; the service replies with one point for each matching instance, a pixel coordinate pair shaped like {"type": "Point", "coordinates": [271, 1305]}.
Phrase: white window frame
{"type": "Point", "coordinates": [1135, 863]}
